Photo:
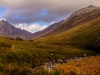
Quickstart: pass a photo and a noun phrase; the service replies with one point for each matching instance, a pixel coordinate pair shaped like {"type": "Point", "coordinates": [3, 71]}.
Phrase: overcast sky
{"type": "Point", "coordinates": [34, 15]}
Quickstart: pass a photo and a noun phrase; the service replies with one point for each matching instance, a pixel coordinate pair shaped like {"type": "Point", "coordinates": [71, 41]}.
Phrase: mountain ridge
{"type": "Point", "coordinates": [79, 17]}
{"type": "Point", "coordinates": [9, 30]}
{"type": "Point", "coordinates": [91, 11]}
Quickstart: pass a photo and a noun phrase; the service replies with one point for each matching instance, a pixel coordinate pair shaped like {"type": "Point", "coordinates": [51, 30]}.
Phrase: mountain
{"type": "Point", "coordinates": [48, 29]}
{"type": "Point", "coordinates": [10, 31]}
{"type": "Point", "coordinates": [81, 16]}
{"type": "Point", "coordinates": [79, 30]}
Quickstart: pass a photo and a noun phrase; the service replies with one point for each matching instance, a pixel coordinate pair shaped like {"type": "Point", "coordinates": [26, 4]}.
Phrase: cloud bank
{"type": "Point", "coordinates": [28, 11]}
{"type": "Point", "coordinates": [25, 12]}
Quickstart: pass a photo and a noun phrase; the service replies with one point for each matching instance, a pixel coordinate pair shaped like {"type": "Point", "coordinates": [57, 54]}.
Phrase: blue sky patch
{"type": "Point", "coordinates": [2, 11]}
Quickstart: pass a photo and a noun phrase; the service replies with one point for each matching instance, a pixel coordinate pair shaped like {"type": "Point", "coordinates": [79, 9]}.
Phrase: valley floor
{"type": "Point", "coordinates": [21, 57]}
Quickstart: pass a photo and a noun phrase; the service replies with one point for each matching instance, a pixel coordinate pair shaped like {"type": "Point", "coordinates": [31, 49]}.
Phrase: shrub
{"type": "Point", "coordinates": [19, 39]}
{"type": "Point", "coordinates": [4, 45]}
{"type": "Point", "coordinates": [31, 40]}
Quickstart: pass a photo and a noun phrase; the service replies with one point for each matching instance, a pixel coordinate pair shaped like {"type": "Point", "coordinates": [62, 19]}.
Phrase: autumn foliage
{"type": "Point", "coordinates": [88, 66]}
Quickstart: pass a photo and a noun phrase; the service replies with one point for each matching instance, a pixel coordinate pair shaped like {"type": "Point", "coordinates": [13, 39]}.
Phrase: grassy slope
{"type": "Point", "coordinates": [88, 36]}
{"type": "Point", "coordinates": [85, 36]}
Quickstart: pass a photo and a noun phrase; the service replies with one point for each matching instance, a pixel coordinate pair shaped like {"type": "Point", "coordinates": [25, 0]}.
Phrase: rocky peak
{"type": "Point", "coordinates": [92, 6]}
{"type": "Point", "coordinates": [9, 30]}
{"type": "Point", "coordinates": [83, 11]}
{"type": "Point", "coordinates": [3, 22]}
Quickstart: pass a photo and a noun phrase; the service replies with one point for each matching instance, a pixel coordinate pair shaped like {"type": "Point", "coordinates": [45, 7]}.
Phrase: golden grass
{"type": "Point", "coordinates": [88, 66]}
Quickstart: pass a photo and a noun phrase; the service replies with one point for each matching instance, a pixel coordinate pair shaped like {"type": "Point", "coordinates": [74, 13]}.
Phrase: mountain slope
{"type": "Point", "coordinates": [81, 30]}
{"type": "Point", "coordinates": [78, 18]}
{"type": "Point", "coordinates": [48, 29]}
{"type": "Point", "coordinates": [10, 31]}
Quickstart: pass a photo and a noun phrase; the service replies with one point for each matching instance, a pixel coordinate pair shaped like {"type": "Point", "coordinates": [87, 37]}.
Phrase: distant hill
{"type": "Point", "coordinates": [48, 29]}
{"type": "Point", "coordinates": [10, 31]}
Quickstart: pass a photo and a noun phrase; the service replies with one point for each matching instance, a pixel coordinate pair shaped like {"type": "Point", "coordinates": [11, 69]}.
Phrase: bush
{"type": "Point", "coordinates": [31, 40]}
{"type": "Point", "coordinates": [19, 39]}
{"type": "Point", "coordinates": [4, 45]}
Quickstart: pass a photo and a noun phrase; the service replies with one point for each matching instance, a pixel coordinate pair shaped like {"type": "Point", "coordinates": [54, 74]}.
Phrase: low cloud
{"type": "Point", "coordinates": [31, 28]}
